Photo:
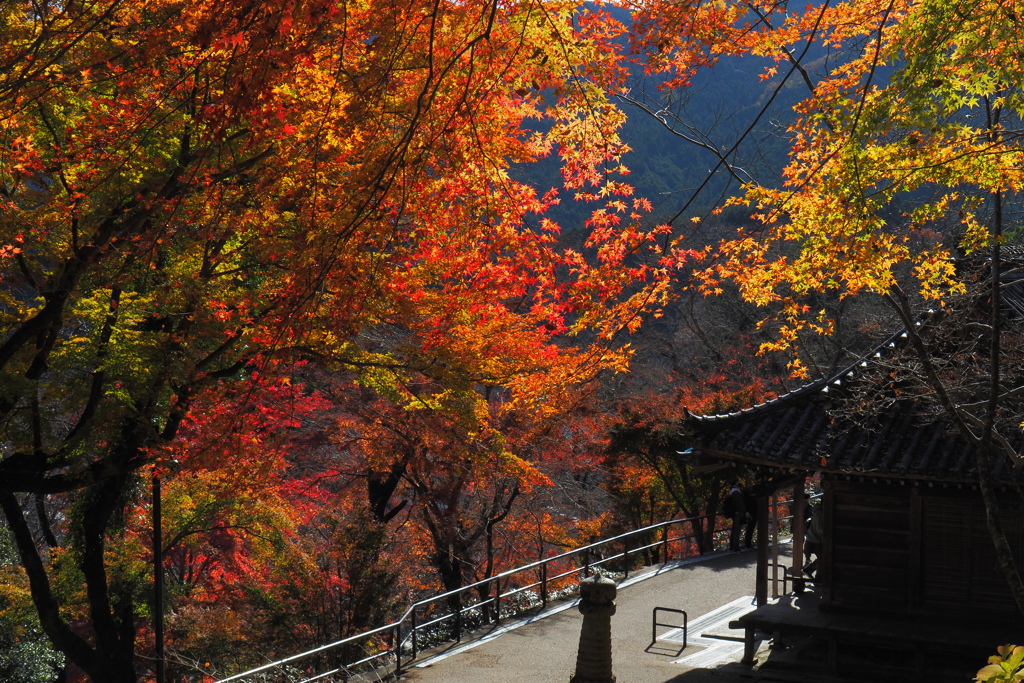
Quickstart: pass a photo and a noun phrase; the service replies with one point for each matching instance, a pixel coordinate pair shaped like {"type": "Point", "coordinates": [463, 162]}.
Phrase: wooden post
{"type": "Point", "coordinates": [799, 526]}
{"type": "Point", "coordinates": [761, 585]}
{"type": "Point", "coordinates": [774, 503]}
{"type": "Point", "coordinates": [823, 575]}
{"type": "Point", "coordinates": [749, 646]}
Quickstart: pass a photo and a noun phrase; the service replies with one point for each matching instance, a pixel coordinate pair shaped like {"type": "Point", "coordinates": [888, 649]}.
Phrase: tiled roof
{"type": "Point", "coordinates": [797, 432]}
{"type": "Point", "coordinates": [816, 428]}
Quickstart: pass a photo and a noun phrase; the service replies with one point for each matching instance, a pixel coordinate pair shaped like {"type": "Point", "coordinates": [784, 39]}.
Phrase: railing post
{"type": "Point", "coordinates": [398, 647]}
{"type": "Point", "coordinates": [544, 585]}
{"type": "Point", "coordinates": [458, 617]}
{"type": "Point", "coordinates": [415, 650]}
{"type": "Point", "coordinates": [497, 600]}
{"type": "Point", "coordinates": [664, 546]}
{"type": "Point", "coordinates": [625, 558]}
{"type": "Point", "coordinates": [454, 602]}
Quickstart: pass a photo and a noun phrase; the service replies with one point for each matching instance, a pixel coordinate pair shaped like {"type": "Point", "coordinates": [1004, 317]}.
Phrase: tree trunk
{"type": "Point", "coordinates": [982, 448]}
{"type": "Point", "coordinates": [986, 483]}
{"type": "Point", "coordinates": [994, 523]}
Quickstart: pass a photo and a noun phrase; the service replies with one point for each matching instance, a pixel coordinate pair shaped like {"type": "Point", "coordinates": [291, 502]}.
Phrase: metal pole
{"type": "Point", "coordinates": [544, 585]}
{"type": "Point", "coordinates": [458, 618]}
{"type": "Point", "coordinates": [158, 581]}
{"type": "Point", "coordinates": [398, 647]}
{"type": "Point", "coordinates": [497, 600]}
{"type": "Point", "coordinates": [414, 648]}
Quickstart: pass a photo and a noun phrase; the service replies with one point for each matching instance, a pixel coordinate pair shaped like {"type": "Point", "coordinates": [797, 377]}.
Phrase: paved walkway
{"type": "Point", "coordinates": [542, 649]}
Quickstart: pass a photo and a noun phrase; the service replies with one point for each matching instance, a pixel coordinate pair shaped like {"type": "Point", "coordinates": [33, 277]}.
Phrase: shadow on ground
{"type": "Point", "coordinates": [665, 648]}
{"type": "Point", "coordinates": [730, 673]}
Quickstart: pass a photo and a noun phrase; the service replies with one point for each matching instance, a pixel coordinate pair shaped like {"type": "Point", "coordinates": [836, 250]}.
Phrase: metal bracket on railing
{"type": "Point", "coordinates": [655, 623]}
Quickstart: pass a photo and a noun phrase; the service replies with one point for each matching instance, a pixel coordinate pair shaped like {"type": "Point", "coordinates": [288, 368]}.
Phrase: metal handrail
{"type": "Point", "coordinates": [408, 622]}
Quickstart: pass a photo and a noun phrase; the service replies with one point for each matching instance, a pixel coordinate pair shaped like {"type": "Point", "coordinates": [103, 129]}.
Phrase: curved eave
{"type": "Point", "coordinates": [805, 392]}
{"type": "Point", "coordinates": [966, 479]}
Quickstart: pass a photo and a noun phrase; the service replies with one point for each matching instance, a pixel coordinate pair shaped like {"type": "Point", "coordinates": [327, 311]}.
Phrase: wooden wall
{"type": "Point", "coordinates": [959, 569]}
{"type": "Point", "coordinates": [915, 550]}
{"type": "Point", "coordinates": [869, 540]}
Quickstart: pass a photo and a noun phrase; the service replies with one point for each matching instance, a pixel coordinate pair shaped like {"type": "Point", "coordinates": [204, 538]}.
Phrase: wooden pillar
{"type": "Point", "coordinates": [773, 503]}
{"type": "Point", "coordinates": [749, 646]}
{"type": "Point", "coordinates": [823, 576]}
{"type": "Point", "coordinates": [761, 587]}
{"type": "Point", "coordinates": [799, 526]}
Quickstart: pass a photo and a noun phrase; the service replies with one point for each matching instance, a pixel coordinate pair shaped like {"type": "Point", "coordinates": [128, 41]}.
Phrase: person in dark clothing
{"type": "Point", "coordinates": [736, 509]}
{"type": "Point", "coordinates": [750, 504]}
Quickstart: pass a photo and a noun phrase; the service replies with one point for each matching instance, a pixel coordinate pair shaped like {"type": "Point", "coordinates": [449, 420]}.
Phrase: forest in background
{"type": "Point", "coordinates": [367, 287]}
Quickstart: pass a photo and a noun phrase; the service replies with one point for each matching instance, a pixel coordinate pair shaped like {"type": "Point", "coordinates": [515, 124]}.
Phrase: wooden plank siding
{"type": "Point", "coordinates": [904, 549]}
{"type": "Point", "coordinates": [870, 549]}
{"type": "Point", "coordinates": [959, 572]}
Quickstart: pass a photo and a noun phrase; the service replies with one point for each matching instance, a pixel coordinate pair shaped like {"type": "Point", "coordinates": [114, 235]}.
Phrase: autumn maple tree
{"type": "Point", "coordinates": [200, 199]}
{"type": "Point", "coordinates": [196, 195]}
{"type": "Point", "coordinates": [905, 154]}
{"type": "Point", "coordinates": [650, 477]}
